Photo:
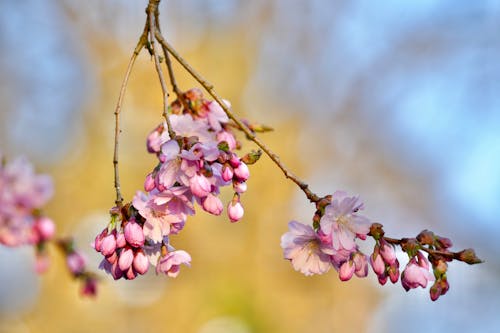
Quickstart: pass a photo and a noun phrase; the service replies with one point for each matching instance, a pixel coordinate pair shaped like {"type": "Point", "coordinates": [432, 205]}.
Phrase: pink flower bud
{"type": "Point", "coordinates": [212, 204]}
{"type": "Point", "coordinates": [235, 211]}
{"type": "Point", "coordinates": [120, 240]}
{"type": "Point", "coordinates": [141, 263]}
{"type": "Point", "coordinates": [111, 258]}
{"type": "Point", "coordinates": [149, 183]}
{"type": "Point", "coordinates": [134, 234]}
{"type": "Point", "coordinates": [228, 137]}
{"type": "Point", "coordinates": [377, 263]}
{"type": "Point", "coordinates": [382, 279]}
{"type": "Point", "coordinates": [242, 172]}
{"type": "Point", "coordinates": [45, 228]}
{"type": "Point", "coordinates": [125, 259]}
{"type": "Point", "coordinates": [89, 287]}
{"type": "Point", "coordinates": [115, 271]}
{"type": "Point", "coordinates": [393, 271]}
{"type": "Point", "coordinates": [130, 274]}
{"type": "Point", "coordinates": [234, 161]}
{"type": "Point", "coordinates": [108, 245]}
{"type": "Point", "coordinates": [239, 187]}
{"type": "Point", "coordinates": [388, 254]}
{"type": "Point", "coordinates": [200, 186]}
{"type": "Point", "coordinates": [346, 270]}
{"type": "Point", "coordinates": [361, 264]}
{"type": "Point", "coordinates": [99, 238]}
{"type": "Point", "coordinates": [76, 263]}
{"type": "Point", "coordinates": [227, 173]}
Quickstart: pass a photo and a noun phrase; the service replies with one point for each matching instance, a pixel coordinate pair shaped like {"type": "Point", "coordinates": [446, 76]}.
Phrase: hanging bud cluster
{"type": "Point", "coordinates": [192, 168]}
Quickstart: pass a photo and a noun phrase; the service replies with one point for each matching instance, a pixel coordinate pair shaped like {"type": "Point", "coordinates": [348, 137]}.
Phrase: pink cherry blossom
{"type": "Point", "coordinates": [302, 246]}
{"type": "Point", "coordinates": [170, 263]}
{"type": "Point", "coordinates": [343, 223]}
{"type": "Point", "coordinates": [216, 116]}
{"type": "Point", "coordinates": [212, 204]}
{"type": "Point", "coordinates": [156, 138]}
{"type": "Point", "coordinates": [186, 126]}
{"type": "Point", "coordinates": [200, 186]}
{"type": "Point", "coordinates": [416, 273]}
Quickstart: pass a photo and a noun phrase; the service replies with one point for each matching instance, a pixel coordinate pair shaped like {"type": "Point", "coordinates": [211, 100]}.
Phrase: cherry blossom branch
{"type": "Point", "coordinates": [140, 44]}
{"type": "Point", "coordinates": [151, 10]}
{"type": "Point", "coordinates": [250, 135]}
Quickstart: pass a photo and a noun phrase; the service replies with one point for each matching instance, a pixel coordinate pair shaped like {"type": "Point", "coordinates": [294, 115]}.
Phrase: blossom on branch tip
{"type": "Point", "coordinates": [302, 246]}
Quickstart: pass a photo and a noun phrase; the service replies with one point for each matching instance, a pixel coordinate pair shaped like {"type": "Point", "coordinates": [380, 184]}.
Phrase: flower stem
{"type": "Point", "coordinates": [140, 44]}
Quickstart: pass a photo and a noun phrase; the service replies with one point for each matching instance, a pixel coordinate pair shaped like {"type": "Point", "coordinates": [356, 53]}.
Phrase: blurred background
{"type": "Point", "coordinates": [395, 101]}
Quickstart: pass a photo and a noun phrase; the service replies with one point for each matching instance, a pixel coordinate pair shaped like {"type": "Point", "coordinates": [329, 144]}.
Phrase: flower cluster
{"type": "Point", "coordinates": [193, 165]}
{"type": "Point", "coordinates": [23, 193]}
{"type": "Point", "coordinates": [331, 242]}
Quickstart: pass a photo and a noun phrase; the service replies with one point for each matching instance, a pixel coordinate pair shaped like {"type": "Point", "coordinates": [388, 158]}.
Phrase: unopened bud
{"type": "Point", "coordinates": [393, 272]}
{"type": "Point", "coordinates": [134, 234]}
{"type": "Point", "coordinates": [227, 173]}
{"type": "Point", "coordinates": [235, 209]}
{"type": "Point", "coordinates": [426, 237]}
{"type": "Point", "coordinates": [376, 231]}
{"type": "Point", "coordinates": [108, 245]}
{"type": "Point", "coordinates": [252, 157]}
{"type": "Point", "coordinates": [126, 258]}
{"type": "Point", "coordinates": [141, 263]}
{"type": "Point", "coordinates": [242, 172]}
{"type": "Point", "coordinates": [469, 256]}
{"type": "Point", "coordinates": [346, 270]}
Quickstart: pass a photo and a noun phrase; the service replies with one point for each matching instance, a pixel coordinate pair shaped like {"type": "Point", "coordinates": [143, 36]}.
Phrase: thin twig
{"type": "Point", "coordinates": [140, 44]}
{"type": "Point", "coordinates": [250, 135]}
{"type": "Point", "coordinates": [445, 254]}
{"type": "Point", "coordinates": [170, 69]}
{"type": "Point", "coordinates": [151, 9]}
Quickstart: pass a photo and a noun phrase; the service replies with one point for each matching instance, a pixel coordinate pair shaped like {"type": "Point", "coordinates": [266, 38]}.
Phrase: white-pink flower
{"type": "Point", "coordinates": [302, 246]}
{"type": "Point", "coordinates": [158, 218]}
{"type": "Point", "coordinates": [171, 262]}
{"type": "Point", "coordinates": [342, 222]}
